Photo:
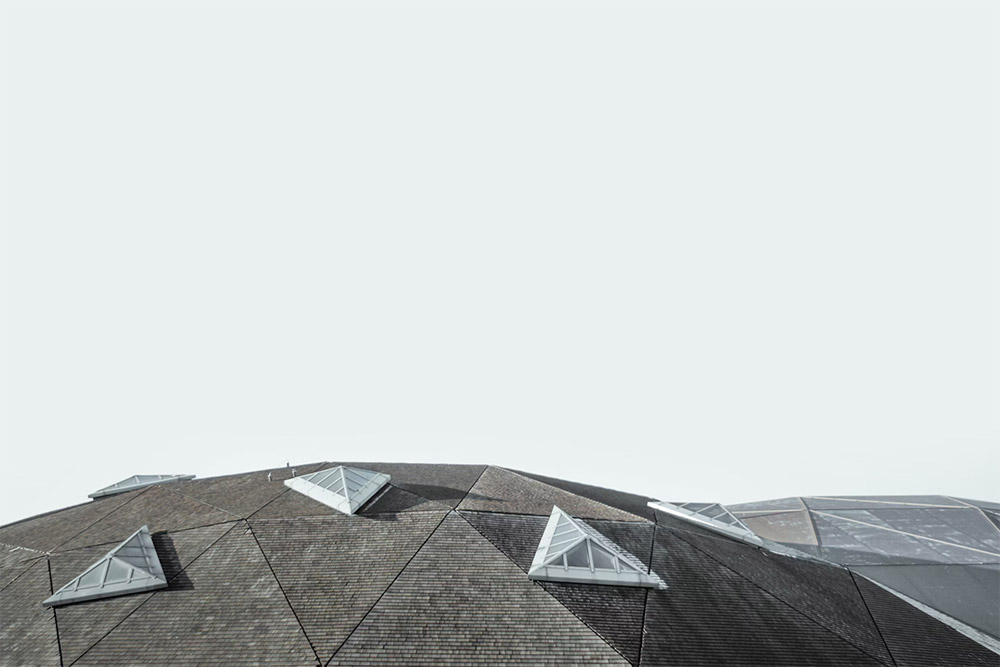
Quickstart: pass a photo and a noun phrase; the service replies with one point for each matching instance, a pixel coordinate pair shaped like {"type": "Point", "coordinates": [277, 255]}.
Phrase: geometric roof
{"type": "Point", "coordinates": [279, 579]}
{"type": "Point", "coordinates": [937, 551]}
{"type": "Point", "coordinates": [572, 551]}
{"type": "Point", "coordinates": [137, 482]}
{"type": "Point", "coordinates": [342, 488]}
{"type": "Point", "coordinates": [131, 567]}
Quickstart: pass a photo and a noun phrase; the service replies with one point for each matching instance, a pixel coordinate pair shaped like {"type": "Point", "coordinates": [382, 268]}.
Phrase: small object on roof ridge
{"type": "Point", "coordinates": [342, 488]}
{"type": "Point", "coordinates": [131, 567]}
{"type": "Point", "coordinates": [572, 551]}
{"type": "Point", "coordinates": [713, 516]}
{"type": "Point", "coordinates": [137, 482]}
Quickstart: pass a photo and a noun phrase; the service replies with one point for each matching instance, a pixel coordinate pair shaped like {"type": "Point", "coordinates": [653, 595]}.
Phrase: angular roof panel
{"type": "Point", "coordinates": [131, 567]}
{"type": "Point", "coordinates": [572, 551]}
{"type": "Point", "coordinates": [137, 482]}
{"type": "Point", "coordinates": [342, 488]}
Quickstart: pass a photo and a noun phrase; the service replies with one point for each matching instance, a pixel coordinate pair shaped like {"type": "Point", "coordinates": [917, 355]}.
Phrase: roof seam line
{"type": "Point", "coordinates": [55, 619]}
{"type": "Point", "coordinates": [466, 495]}
{"type": "Point", "coordinates": [91, 525]}
{"type": "Point", "coordinates": [150, 594]}
{"type": "Point", "coordinates": [626, 522]}
{"type": "Point", "coordinates": [386, 590]}
{"type": "Point", "coordinates": [9, 583]}
{"type": "Point", "coordinates": [283, 594]}
{"type": "Point", "coordinates": [171, 532]}
{"type": "Point", "coordinates": [784, 602]}
{"type": "Point", "coordinates": [605, 505]}
{"type": "Point", "coordinates": [872, 616]}
{"type": "Point", "coordinates": [197, 500]}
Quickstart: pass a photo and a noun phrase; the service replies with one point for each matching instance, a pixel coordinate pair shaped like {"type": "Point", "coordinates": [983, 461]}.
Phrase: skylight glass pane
{"type": "Point", "coordinates": [117, 572]}
{"type": "Point", "coordinates": [602, 559]}
{"type": "Point", "coordinates": [578, 557]}
{"type": "Point", "coordinates": [93, 578]}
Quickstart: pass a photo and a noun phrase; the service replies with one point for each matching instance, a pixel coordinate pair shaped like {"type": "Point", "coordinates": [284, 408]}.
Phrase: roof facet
{"type": "Point", "coordinates": [131, 567]}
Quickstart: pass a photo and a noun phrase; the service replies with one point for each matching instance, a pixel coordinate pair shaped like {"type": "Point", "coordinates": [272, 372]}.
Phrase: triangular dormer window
{"type": "Point", "coordinates": [342, 488]}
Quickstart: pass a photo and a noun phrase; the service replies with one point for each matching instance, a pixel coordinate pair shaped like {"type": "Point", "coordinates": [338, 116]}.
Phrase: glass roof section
{"type": "Point", "coordinates": [137, 482]}
{"type": "Point", "coordinates": [342, 488]}
{"type": "Point", "coordinates": [709, 515]}
{"type": "Point", "coordinates": [131, 567]}
{"type": "Point", "coordinates": [572, 551]}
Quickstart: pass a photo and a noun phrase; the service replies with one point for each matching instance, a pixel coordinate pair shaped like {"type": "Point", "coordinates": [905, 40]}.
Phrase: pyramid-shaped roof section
{"type": "Point", "coordinates": [342, 488]}
{"type": "Point", "coordinates": [709, 515]}
{"type": "Point", "coordinates": [131, 567]}
{"type": "Point", "coordinates": [572, 551]}
{"type": "Point", "coordinates": [137, 482]}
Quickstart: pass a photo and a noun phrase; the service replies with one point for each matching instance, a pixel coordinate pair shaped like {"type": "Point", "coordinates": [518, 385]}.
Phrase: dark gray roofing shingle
{"type": "Point", "coordinates": [245, 493]}
{"type": "Point", "coordinates": [917, 640]}
{"type": "Point", "coordinates": [444, 482]}
{"type": "Point", "coordinates": [14, 561]}
{"type": "Point", "coordinates": [334, 568]}
{"type": "Point", "coordinates": [83, 625]}
{"type": "Point", "coordinates": [158, 507]}
{"type": "Point", "coordinates": [27, 629]}
{"type": "Point", "coordinates": [478, 609]}
{"type": "Point", "coordinates": [230, 611]}
{"type": "Point", "coordinates": [711, 616]}
{"type": "Point", "coordinates": [824, 593]}
{"type": "Point", "coordinates": [48, 531]}
{"type": "Point", "coordinates": [629, 502]}
{"type": "Point", "coordinates": [392, 499]}
{"type": "Point", "coordinates": [500, 490]}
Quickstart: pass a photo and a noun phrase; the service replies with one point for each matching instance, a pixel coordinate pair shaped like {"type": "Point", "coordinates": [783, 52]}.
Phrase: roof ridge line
{"type": "Point", "coordinates": [281, 588]}
{"type": "Point", "coordinates": [779, 599]}
{"type": "Point", "coordinates": [141, 493]}
{"type": "Point", "coordinates": [197, 500]}
{"type": "Point", "coordinates": [591, 500]}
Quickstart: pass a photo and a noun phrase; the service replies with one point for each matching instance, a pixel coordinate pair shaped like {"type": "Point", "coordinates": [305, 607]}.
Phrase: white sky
{"type": "Point", "coordinates": [701, 251]}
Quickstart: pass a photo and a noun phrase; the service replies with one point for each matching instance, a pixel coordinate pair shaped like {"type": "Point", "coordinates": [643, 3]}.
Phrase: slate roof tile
{"type": "Point", "coordinates": [158, 507]}
{"type": "Point", "coordinates": [629, 502]}
{"type": "Point", "coordinates": [500, 490]}
{"type": "Point", "coordinates": [230, 611]}
{"type": "Point", "coordinates": [47, 531]}
{"type": "Point", "coordinates": [462, 602]}
{"type": "Point", "coordinates": [711, 616]}
{"type": "Point", "coordinates": [83, 625]}
{"type": "Point", "coordinates": [825, 593]}
{"type": "Point", "coordinates": [334, 568]}
{"type": "Point", "coordinates": [14, 561]}
{"type": "Point", "coordinates": [27, 629]}
{"type": "Point", "coordinates": [245, 493]}
{"type": "Point", "coordinates": [444, 482]}
{"type": "Point", "coordinates": [917, 640]}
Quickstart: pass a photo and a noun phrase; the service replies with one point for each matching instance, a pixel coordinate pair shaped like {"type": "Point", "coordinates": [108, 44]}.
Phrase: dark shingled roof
{"type": "Point", "coordinates": [432, 571]}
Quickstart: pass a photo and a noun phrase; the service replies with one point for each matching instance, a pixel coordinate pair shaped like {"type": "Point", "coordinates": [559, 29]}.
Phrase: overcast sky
{"type": "Point", "coordinates": [700, 251]}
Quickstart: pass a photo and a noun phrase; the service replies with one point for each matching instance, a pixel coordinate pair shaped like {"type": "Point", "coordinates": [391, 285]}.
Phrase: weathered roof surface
{"type": "Point", "coordinates": [433, 571]}
{"type": "Point", "coordinates": [940, 551]}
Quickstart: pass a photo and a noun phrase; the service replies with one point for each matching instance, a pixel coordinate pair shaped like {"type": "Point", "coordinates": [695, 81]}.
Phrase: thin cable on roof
{"type": "Point", "coordinates": [572, 551]}
{"type": "Point", "coordinates": [131, 567]}
{"type": "Point", "coordinates": [342, 488]}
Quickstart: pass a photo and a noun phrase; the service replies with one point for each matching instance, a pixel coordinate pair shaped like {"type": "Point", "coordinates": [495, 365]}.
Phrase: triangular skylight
{"type": "Point", "coordinates": [572, 551]}
{"type": "Point", "coordinates": [137, 482]}
{"type": "Point", "coordinates": [342, 488]}
{"type": "Point", "coordinates": [131, 567]}
{"type": "Point", "coordinates": [710, 515]}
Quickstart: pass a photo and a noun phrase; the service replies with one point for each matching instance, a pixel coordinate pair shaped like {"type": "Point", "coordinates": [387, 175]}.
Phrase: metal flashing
{"type": "Point", "coordinates": [131, 567]}
{"type": "Point", "coordinates": [342, 488]}
{"type": "Point", "coordinates": [572, 551]}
